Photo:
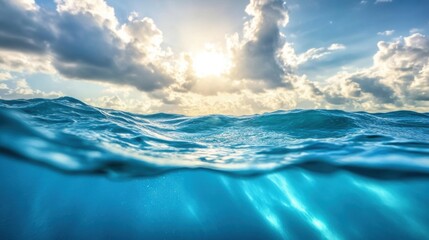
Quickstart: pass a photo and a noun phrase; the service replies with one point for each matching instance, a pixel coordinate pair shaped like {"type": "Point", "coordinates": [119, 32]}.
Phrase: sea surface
{"type": "Point", "coordinates": [72, 171]}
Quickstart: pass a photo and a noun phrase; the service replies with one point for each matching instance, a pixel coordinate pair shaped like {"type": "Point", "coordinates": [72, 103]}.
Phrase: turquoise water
{"type": "Point", "coordinates": [72, 171]}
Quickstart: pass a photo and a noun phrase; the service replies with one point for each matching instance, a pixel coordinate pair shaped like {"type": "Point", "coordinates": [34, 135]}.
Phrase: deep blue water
{"type": "Point", "coordinates": [72, 171]}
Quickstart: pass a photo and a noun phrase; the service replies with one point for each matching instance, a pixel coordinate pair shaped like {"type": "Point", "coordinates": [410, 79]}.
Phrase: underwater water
{"type": "Point", "coordinates": [72, 171]}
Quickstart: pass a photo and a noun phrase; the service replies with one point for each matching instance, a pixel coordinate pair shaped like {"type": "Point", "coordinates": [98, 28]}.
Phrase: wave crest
{"type": "Point", "coordinates": [74, 137]}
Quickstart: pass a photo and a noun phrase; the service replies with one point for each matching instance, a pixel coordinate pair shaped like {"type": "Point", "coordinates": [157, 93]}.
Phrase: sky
{"type": "Point", "coordinates": [218, 56]}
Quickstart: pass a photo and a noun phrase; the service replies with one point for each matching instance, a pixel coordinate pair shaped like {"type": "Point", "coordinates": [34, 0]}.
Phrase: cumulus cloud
{"type": "Point", "coordinates": [84, 40]}
{"type": "Point", "coordinates": [5, 76]}
{"type": "Point", "coordinates": [136, 105]}
{"type": "Point", "coordinates": [403, 66]}
{"type": "Point", "coordinates": [26, 63]}
{"type": "Point", "coordinates": [101, 13]}
{"type": "Point", "coordinates": [23, 28]}
{"type": "Point", "coordinates": [239, 102]}
{"type": "Point", "coordinates": [398, 78]}
{"type": "Point", "coordinates": [19, 88]}
{"type": "Point", "coordinates": [256, 54]}
{"type": "Point", "coordinates": [263, 53]}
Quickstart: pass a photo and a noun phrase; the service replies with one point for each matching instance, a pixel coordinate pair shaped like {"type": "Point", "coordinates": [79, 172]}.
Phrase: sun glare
{"type": "Point", "coordinates": [210, 63]}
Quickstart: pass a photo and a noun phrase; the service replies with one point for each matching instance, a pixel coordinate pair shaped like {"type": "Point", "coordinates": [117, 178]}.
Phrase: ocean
{"type": "Point", "coordinates": [69, 170]}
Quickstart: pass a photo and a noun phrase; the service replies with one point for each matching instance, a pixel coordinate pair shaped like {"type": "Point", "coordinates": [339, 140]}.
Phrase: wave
{"type": "Point", "coordinates": [71, 136]}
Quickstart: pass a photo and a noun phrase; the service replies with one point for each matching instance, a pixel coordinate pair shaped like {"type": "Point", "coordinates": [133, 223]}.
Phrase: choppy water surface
{"type": "Point", "coordinates": [301, 174]}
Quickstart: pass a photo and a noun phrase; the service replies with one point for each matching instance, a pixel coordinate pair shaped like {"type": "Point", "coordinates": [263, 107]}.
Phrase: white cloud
{"type": "Point", "coordinates": [84, 40]}
{"type": "Point", "coordinates": [236, 103]}
{"type": "Point", "coordinates": [336, 46]}
{"type": "Point", "coordinates": [386, 33]}
{"type": "Point", "coordinates": [28, 5]}
{"type": "Point", "coordinates": [256, 55]}
{"type": "Point", "coordinates": [127, 99]}
{"type": "Point", "coordinates": [5, 76]}
{"type": "Point", "coordinates": [263, 54]}
{"type": "Point", "coordinates": [20, 88]}
{"type": "Point", "coordinates": [317, 53]}
{"type": "Point", "coordinates": [293, 60]}
{"type": "Point", "coordinates": [25, 63]}
{"type": "Point", "coordinates": [383, 1]}
{"type": "Point", "coordinates": [398, 78]}
{"type": "Point", "coordinates": [98, 9]}
{"type": "Point", "coordinates": [90, 44]}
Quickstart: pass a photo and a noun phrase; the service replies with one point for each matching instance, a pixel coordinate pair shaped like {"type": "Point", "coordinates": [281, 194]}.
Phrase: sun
{"type": "Point", "coordinates": [210, 63]}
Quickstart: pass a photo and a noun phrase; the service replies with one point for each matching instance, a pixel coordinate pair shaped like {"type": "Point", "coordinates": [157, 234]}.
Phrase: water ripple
{"type": "Point", "coordinates": [71, 136]}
